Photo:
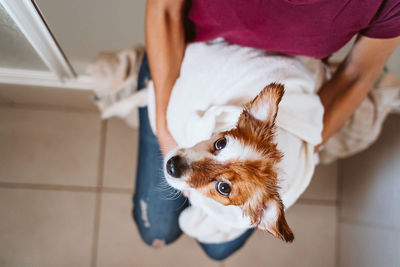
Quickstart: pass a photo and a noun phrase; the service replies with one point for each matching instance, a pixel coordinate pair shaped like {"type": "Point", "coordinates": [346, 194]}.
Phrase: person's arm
{"type": "Point", "coordinates": [165, 46]}
{"type": "Point", "coordinates": [354, 78]}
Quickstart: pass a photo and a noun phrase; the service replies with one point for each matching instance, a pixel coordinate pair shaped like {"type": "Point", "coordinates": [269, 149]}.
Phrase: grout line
{"type": "Point", "coordinates": [97, 209]}
{"type": "Point", "coordinates": [100, 169]}
{"type": "Point", "coordinates": [72, 188]}
{"type": "Point", "coordinates": [44, 107]}
{"type": "Point", "coordinates": [338, 212]}
{"type": "Point", "coordinates": [117, 190]}
{"type": "Point", "coordinates": [96, 228]}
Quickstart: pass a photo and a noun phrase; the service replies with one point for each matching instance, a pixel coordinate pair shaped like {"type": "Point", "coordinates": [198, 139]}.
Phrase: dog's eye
{"type": "Point", "coordinates": [220, 143]}
{"type": "Point", "coordinates": [223, 188]}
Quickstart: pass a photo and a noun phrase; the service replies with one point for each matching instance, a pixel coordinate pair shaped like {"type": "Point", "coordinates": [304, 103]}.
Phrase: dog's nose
{"type": "Point", "coordinates": [175, 166]}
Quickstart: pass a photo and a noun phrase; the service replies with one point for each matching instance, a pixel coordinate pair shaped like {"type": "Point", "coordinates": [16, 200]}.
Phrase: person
{"type": "Point", "coordinates": [314, 28]}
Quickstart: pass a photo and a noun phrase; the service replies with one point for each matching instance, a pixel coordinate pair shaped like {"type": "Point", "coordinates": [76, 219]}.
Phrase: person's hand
{"type": "Point", "coordinates": [166, 141]}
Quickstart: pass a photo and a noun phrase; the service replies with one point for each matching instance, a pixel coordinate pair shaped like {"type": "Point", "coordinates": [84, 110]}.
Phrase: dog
{"type": "Point", "coordinates": [239, 166]}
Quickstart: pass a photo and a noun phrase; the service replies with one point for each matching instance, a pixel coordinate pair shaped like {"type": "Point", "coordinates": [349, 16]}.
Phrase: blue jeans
{"type": "Point", "coordinates": [155, 208]}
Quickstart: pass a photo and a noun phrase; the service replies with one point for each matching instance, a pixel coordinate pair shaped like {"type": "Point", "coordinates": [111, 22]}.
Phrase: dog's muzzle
{"type": "Point", "coordinates": [176, 166]}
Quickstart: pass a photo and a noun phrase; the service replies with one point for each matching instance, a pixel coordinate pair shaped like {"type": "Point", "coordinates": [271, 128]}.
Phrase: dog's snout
{"type": "Point", "coordinates": [176, 166]}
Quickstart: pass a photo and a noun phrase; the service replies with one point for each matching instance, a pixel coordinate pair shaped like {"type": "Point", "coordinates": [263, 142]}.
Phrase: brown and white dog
{"type": "Point", "coordinates": [239, 167]}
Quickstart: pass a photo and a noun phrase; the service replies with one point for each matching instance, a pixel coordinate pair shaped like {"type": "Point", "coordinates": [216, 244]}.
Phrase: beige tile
{"type": "Point", "coordinates": [323, 185]}
{"type": "Point", "coordinates": [370, 183]}
{"type": "Point", "coordinates": [49, 147]}
{"type": "Point", "coordinates": [394, 62]}
{"type": "Point", "coordinates": [120, 244]}
{"type": "Point", "coordinates": [120, 154]}
{"type": "Point", "coordinates": [314, 227]}
{"type": "Point", "coordinates": [45, 228]}
{"type": "Point", "coordinates": [362, 246]}
{"type": "Point", "coordinates": [48, 96]}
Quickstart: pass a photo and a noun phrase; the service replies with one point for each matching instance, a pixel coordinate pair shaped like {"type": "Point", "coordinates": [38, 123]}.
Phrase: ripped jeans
{"type": "Point", "coordinates": [155, 208]}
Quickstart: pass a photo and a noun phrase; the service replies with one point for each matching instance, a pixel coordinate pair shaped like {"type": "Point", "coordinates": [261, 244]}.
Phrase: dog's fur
{"type": "Point", "coordinates": [248, 163]}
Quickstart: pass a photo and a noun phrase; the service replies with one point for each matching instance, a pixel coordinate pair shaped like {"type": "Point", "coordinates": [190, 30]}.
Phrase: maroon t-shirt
{"type": "Point", "coordinates": [315, 28]}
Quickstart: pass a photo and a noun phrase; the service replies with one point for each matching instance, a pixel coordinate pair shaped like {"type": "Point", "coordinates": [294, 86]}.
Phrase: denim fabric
{"type": "Point", "coordinates": [156, 209]}
{"type": "Point", "coordinates": [221, 251]}
{"type": "Point", "coordinates": [154, 212]}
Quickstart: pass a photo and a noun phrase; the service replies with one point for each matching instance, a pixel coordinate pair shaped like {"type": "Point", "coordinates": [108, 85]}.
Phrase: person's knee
{"type": "Point", "coordinates": [154, 235]}
{"type": "Point", "coordinates": [217, 253]}
{"type": "Point", "coordinates": [221, 251]}
{"type": "Point", "coordinates": [155, 238]}
{"type": "Point", "coordinates": [149, 238]}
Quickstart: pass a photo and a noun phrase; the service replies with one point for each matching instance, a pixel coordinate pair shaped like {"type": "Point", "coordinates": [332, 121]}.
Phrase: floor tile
{"type": "Point", "coordinates": [394, 62]}
{"type": "Point", "coordinates": [323, 185]}
{"type": "Point", "coordinates": [120, 244]}
{"type": "Point", "coordinates": [45, 228]}
{"type": "Point", "coordinates": [370, 183]}
{"type": "Point", "coordinates": [47, 96]}
{"type": "Point", "coordinates": [314, 227]}
{"type": "Point", "coordinates": [49, 147]}
{"type": "Point", "coordinates": [120, 154]}
{"type": "Point", "coordinates": [362, 246]}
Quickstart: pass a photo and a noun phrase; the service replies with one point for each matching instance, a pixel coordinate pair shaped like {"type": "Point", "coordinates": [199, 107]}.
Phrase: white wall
{"type": "Point", "coordinates": [86, 27]}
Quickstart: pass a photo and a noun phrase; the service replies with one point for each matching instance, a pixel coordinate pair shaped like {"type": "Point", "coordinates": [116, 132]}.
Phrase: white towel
{"type": "Point", "coordinates": [216, 80]}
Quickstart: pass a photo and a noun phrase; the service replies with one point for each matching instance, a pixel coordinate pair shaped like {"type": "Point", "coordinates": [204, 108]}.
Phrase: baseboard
{"type": "Point", "coordinates": [43, 78]}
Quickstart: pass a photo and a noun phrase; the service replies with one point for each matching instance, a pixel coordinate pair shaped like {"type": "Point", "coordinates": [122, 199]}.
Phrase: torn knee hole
{"type": "Point", "coordinates": [158, 243]}
{"type": "Point", "coordinates": [145, 217]}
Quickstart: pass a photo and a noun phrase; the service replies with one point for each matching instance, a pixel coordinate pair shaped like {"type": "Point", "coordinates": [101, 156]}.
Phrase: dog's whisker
{"type": "Point", "coordinates": [171, 193]}
{"type": "Point", "coordinates": [183, 203]}
{"type": "Point", "coordinates": [163, 185]}
{"type": "Point", "coordinates": [166, 191]}
{"type": "Point", "coordinates": [175, 196]}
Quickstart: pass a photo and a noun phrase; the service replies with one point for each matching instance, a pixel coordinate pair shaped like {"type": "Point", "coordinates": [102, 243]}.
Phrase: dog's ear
{"type": "Point", "coordinates": [273, 220]}
{"type": "Point", "coordinates": [264, 106]}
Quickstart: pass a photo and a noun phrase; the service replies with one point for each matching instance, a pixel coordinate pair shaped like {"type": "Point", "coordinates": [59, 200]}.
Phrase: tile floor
{"type": "Point", "coordinates": [369, 217]}
{"type": "Point", "coordinates": [66, 180]}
